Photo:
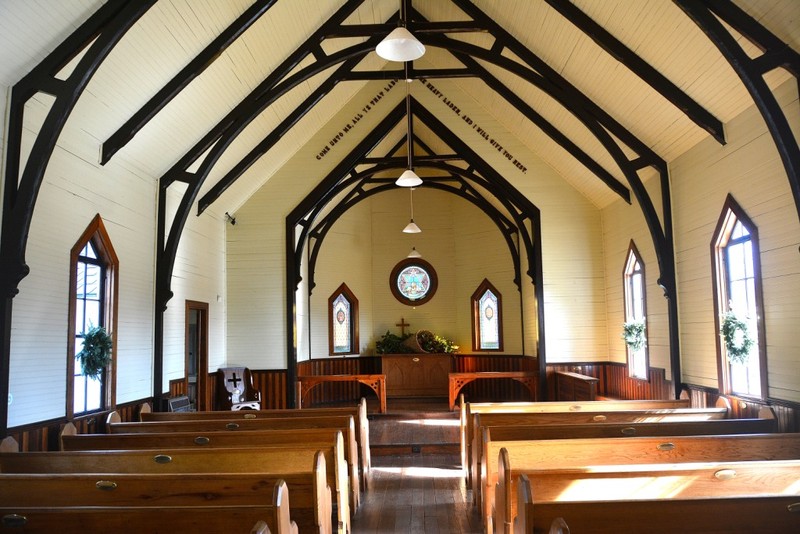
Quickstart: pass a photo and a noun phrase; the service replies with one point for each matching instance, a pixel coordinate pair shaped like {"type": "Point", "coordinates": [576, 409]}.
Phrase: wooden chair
{"type": "Point", "coordinates": [235, 390]}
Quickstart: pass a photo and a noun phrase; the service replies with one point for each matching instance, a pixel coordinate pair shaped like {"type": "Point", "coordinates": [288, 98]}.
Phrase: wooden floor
{"type": "Point", "coordinates": [417, 484]}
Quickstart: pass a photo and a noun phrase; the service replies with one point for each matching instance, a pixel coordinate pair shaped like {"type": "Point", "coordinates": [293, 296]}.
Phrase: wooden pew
{"type": "Point", "coordinates": [577, 457]}
{"type": "Point", "coordinates": [467, 410]}
{"type": "Point", "coordinates": [710, 500]}
{"type": "Point", "coordinates": [346, 423]}
{"type": "Point", "coordinates": [135, 520]}
{"type": "Point", "coordinates": [125, 492]}
{"type": "Point", "coordinates": [285, 463]}
{"type": "Point", "coordinates": [494, 438]}
{"type": "Point", "coordinates": [359, 413]}
{"type": "Point", "coordinates": [577, 417]}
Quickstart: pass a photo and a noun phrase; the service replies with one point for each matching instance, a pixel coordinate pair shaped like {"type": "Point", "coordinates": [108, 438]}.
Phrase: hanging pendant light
{"type": "Point", "coordinates": [409, 178]}
{"type": "Point", "coordinates": [411, 227]}
{"type": "Point", "coordinates": [414, 253]}
{"type": "Point", "coordinates": [400, 44]}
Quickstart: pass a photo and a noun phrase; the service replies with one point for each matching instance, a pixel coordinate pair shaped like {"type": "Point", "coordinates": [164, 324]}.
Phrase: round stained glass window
{"type": "Point", "coordinates": [413, 281]}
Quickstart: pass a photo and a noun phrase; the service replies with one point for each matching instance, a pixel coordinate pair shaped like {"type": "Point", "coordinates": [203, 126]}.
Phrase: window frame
{"type": "Point", "coordinates": [354, 333]}
{"type": "Point", "coordinates": [96, 234]}
{"type": "Point", "coordinates": [732, 213]}
{"type": "Point", "coordinates": [628, 307]}
{"type": "Point", "coordinates": [475, 299]}
{"type": "Point", "coordinates": [432, 276]}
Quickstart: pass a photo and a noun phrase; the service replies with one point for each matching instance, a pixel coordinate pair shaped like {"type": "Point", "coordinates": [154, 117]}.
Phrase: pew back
{"type": "Point", "coordinates": [140, 490]}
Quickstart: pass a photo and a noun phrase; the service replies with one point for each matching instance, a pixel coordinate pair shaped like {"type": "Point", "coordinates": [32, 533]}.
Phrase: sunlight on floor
{"type": "Point", "coordinates": [422, 472]}
{"type": "Point", "coordinates": [431, 422]}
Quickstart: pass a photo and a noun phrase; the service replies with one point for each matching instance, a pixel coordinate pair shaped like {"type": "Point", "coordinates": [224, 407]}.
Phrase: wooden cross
{"type": "Point", "coordinates": [234, 380]}
{"type": "Point", "coordinates": [402, 324]}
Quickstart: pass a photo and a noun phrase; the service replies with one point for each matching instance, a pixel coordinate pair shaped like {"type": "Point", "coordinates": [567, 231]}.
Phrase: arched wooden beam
{"type": "Point", "coordinates": [707, 16]}
{"type": "Point", "coordinates": [192, 70]}
{"type": "Point", "coordinates": [98, 36]}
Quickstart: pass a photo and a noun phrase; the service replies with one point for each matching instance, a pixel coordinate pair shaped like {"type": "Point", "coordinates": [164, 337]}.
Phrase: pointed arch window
{"type": "Point", "coordinates": [487, 318]}
{"type": "Point", "coordinates": [737, 289]}
{"type": "Point", "coordinates": [343, 322]}
{"type": "Point", "coordinates": [93, 295]}
{"type": "Point", "coordinates": [636, 310]}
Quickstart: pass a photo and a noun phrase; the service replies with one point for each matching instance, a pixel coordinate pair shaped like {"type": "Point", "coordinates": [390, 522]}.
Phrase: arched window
{"type": "Point", "coordinates": [636, 311]}
{"type": "Point", "coordinates": [487, 318]}
{"type": "Point", "coordinates": [737, 290]}
{"type": "Point", "coordinates": [343, 322]}
{"type": "Point", "coordinates": [93, 293]}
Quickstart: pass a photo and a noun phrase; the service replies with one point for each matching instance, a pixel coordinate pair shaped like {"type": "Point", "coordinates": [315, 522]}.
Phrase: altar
{"type": "Point", "coordinates": [417, 374]}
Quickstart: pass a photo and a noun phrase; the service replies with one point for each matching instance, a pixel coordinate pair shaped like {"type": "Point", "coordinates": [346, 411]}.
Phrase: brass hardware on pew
{"type": "Point", "coordinates": [162, 458]}
{"type": "Point", "coordinates": [250, 416]}
{"type": "Point", "coordinates": [794, 508]}
{"type": "Point", "coordinates": [106, 485]}
{"type": "Point", "coordinates": [628, 431]}
{"type": "Point", "coordinates": [232, 426]}
{"type": "Point", "coordinates": [725, 474]}
{"type": "Point", "coordinates": [14, 520]}
{"type": "Point", "coordinates": [666, 446]}
{"type": "Point", "coordinates": [599, 418]}
{"type": "Point", "coordinates": [202, 440]}
{"type": "Point", "coordinates": [414, 360]}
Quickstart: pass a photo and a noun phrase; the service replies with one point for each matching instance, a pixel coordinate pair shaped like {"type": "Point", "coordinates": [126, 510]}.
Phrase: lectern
{"type": "Point", "coordinates": [235, 390]}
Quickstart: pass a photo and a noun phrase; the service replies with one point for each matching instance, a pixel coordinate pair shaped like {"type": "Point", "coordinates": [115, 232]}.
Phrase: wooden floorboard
{"type": "Point", "coordinates": [422, 491]}
{"type": "Point", "coordinates": [417, 493]}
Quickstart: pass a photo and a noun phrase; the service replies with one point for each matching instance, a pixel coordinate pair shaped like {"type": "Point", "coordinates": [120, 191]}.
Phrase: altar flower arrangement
{"type": "Point", "coordinates": [419, 342]}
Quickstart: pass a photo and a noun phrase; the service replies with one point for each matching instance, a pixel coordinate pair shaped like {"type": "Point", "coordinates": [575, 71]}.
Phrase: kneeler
{"type": "Point", "coordinates": [235, 390]}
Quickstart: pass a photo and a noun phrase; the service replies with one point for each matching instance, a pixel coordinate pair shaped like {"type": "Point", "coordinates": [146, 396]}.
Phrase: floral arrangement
{"type": "Point", "coordinates": [96, 352]}
{"type": "Point", "coordinates": [737, 339]}
{"type": "Point", "coordinates": [633, 334]}
{"type": "Point", "coordinates": [422, 341]}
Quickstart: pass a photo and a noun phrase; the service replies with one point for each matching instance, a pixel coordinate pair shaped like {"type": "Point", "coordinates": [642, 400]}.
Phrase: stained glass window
{"type": "Point", "coordinates": [487, 326]}
{"type": "Point", "coordinates": [343, 322]}
{"type": "Point", "coordinates": [413, 281]}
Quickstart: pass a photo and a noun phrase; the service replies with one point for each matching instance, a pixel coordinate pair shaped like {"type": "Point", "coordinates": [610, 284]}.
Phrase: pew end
{"type": "Point", "coordinates": [9, 444]}
{"type": "Point", "coordinates": [68, 430]}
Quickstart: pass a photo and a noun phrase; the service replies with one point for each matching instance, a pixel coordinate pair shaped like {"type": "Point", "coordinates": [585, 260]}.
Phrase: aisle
{"type": "Point", "coordinates": [417, 493]}
{"type": "Point", "coordinates": [417, 484]}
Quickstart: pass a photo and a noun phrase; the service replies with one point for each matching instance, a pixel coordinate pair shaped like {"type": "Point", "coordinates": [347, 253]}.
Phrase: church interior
{"type": "Point", "coordinates": [420, 215]}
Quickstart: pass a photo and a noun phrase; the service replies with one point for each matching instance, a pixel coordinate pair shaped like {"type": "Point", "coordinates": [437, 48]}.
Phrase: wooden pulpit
{"type": "Point", "coordinates": [235, 390]}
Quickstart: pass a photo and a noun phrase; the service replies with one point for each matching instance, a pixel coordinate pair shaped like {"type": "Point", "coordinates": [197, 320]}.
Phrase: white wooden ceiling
{"type": "Point", "coordinates": [174, 31]}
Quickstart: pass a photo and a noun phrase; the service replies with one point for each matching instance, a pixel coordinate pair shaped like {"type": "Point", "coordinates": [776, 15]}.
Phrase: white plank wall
{"type": "Point", "coordinates": [701, 180]}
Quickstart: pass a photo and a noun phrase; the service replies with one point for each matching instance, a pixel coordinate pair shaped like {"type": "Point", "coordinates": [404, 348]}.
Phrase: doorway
{"type": "Point", "coordinates": [197, 354]}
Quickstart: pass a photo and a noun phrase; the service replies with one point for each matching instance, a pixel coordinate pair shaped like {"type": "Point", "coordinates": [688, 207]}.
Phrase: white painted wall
{"type": "Point", "coordinates": [749, 168]}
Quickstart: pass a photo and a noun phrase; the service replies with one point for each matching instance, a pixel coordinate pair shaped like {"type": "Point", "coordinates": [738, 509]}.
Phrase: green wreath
{"type": "Point", "coordinates": [633, 334]}
{"type": "Point", "coordinates": [737, 339]}
{"type": "Point", "coordinates": [96, 352]}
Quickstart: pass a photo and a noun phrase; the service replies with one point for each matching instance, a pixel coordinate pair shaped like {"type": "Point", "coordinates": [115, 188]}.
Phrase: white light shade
{"type": "Point", "coordinates": [414, 253]}
{"type": "Point", "coordinates": [411, 228]}
{"type": "Point", "coordinates": [408, 179]}
{"type": "Point", "coordinates": [400, 45]}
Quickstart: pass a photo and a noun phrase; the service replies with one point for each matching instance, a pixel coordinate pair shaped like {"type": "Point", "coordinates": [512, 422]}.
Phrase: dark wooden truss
{"type": "Point", "coordinates": [107, 26]}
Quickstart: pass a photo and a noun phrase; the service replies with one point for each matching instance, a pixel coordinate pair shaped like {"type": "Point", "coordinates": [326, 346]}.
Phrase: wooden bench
{"type": "Point", "coordinates": [359, 413]}
{"type": "Point", "coordinates": [577, 417]}
{"type": "Point", "coordinates": [575, 387]}
{"type": "Point", "coordinates": [123, 492]}
{"type": "Point", "coordinates": [459, 380]}
{"type": "Point", "coordinates": [494, 438]}
{"type": "Point", "coordinates": [286, 463]}
{"type": "Point", "coordinates": [376, 382]}
{"type": "Point", "coordinates": [469, 409]}
{"type": "Point", "coordinates": [733, 498]}
{"type": "Point", "coordinates": [135, 520]}
{"type": "Point", "coordinates": [346, 423]}
{"type": "Point", "coordinates": [577, 455]}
